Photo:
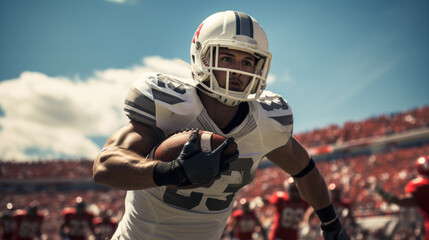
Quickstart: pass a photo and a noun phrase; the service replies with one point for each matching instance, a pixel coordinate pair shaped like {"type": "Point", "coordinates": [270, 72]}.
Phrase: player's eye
{"type": "Point", "coordinates": [247, 63]}
{"type": "Point", "coordinates": [226, 59]}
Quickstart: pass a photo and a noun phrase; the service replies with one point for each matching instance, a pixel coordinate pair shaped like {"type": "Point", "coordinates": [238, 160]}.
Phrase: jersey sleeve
{"type": "Point", "coordinates": [414, 185]}
{"type": "Point", "coordinates": [155, 96]}
{"type": "Point", "coordinates": [275, 119]}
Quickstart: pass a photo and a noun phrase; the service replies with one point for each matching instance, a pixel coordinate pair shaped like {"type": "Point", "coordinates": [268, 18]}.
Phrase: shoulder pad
{"type": "Point", "coordinates": [20, 212]}
{"type": "Point", "coordinates": [276, 108]}
{"type": "Point", "coordinates": [414, 184]}
{"type": "Point", "coordinates": [155, 89]}
{"type": "Point", "coordinates": [274, 117]}
{"type": "Point", "coordinates": [68, 210]}
{"type": "Point", "coordinates": [237, 213]}
{"type": "Point", "coordinates": [276, 196]}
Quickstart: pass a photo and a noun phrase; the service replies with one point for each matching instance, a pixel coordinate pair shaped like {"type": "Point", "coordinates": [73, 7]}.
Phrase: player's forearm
{"type": "Point", "coordinates": [403, 201]}
{"type": "Point", "coordinates": [313, 189]}
{"type": "Point", "coordinates": [123, 169]}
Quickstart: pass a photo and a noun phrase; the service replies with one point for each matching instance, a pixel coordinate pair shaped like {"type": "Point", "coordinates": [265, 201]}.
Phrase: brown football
{"type": "Point", "coordinates": [170, 148]}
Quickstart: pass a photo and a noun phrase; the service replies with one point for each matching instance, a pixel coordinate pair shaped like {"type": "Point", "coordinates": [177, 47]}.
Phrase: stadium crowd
{"type": "Point", "coordinates": [376, 126]}
{"type": "Point", "coordinates": [354, 174]}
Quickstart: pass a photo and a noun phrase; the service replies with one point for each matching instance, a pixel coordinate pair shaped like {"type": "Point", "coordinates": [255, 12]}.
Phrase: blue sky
{"type": "Point", "coordinates": [65, 66]}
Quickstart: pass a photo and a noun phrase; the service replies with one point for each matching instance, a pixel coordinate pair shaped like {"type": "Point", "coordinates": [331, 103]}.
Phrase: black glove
{"type": "Point", "coordinates": [334, 231]}
{"type": "Point", "coordinates": [193, 166]}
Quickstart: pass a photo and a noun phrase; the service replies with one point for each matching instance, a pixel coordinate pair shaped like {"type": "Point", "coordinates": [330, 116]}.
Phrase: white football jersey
{"type": "Point", "coordinates": [168, 104]}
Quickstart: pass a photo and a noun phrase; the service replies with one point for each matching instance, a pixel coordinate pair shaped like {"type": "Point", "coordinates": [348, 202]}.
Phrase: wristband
{"type": "Point", "coordinates": [335, 225]}
{"type": "Point", "coordinates": [165, 173]}
{"type": "Point", "coordinates": [311, 164]}
{"type": "Point", "coordinates": [327, 214]}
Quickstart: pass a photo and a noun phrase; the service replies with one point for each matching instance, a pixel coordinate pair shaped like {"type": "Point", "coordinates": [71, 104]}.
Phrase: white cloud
{"type": "Point", "coordinates": [53, 116]}
{"type": "Point", "coordinates": [271, 79]}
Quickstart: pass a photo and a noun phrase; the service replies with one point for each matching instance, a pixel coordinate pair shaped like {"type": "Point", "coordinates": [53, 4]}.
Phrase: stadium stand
{"type": "Point", "coordinates": [353, 156]}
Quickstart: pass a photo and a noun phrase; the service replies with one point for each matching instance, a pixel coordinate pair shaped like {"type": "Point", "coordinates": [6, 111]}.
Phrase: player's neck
{"type": "Point", "coordinates": [221, 114]}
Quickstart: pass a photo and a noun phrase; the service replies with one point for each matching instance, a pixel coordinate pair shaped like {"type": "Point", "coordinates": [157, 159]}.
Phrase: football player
{"type": "Point", "coordinates": [343, 207]}
{"type": "Point", "coordinates": [77, 222]}
{"type": "Point", "coordinates": [7, 223]}
{"type": "Point", "coordinates": [290, 211]}
{"type": "Point", "coordinates": [230, 62]}
{"type": "Point", "coordinates": [28, 223]}
{"type": "Point", "coordinates": [105, 225]}
{"type": "Point", "coordinates": [244, 222]}
{"type": "Point", "coordinates": [416, 192]}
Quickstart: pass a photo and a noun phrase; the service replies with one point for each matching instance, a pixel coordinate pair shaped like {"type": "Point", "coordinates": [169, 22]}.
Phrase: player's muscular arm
{"type": "Point", "coordinates": [123, 164]}
{"type": "Point", "coordinates": [293, 158]}
{"type": "Point", "coordinates": [405, 201]}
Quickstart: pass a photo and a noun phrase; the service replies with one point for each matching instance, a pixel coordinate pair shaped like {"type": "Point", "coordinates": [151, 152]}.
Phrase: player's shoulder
{"type": "Point", "coordinates": [273, 102]}
{"type": "Point", "coordinates": [417, 183]}
{"type": "Point", "coordinates": [164, 87]}
{"type": "Point", "coordinates": [237, 213]}
{"type": "Point", "coordinates": [155, 91]}
{"type": "Point", "coordinates": [278, 196]}
{"type": "Point", "coordinates": [274, 107]}
{"type": "Point", "coordinates": [68, 211]}
{"type": "Point", "coordinates": [20, 213]}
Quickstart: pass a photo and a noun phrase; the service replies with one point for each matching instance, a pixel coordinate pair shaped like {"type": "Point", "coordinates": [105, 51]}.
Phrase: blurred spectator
{"type": "Point", "coordinates": [290, 211]}
{"type": "Point", "coordinates": [417, 192]}
{"type": "Point", "coordinates": [77, 222]}
{"type": "Point", "coordinates": [28, 223]}
{"type": "Point", "coordinates": [244, 223]}
{"type": "Point", "coordinates": [389, 166]}
{"type": "Point", "coordinates": [7, 223]}
{"type": "Point", "coordinates": [344, 209]}
{"type": "Point", "coordinates": [105, 225]}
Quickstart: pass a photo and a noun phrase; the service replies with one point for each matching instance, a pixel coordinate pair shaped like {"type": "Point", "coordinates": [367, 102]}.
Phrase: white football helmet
{"type": "Point", "coordinates": [232, 30]}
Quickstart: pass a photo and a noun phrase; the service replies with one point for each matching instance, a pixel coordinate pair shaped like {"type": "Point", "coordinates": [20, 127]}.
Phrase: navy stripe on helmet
{"type": "Point", "coordinates": [244, 24]}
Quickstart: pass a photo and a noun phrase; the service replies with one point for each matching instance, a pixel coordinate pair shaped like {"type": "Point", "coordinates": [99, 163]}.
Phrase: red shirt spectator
{"type": "Point", "coordinates": [417, 192]}
{"type": "Point", "coordinates": [77, 220]}
{"type": "Point", "coordinates": [28, 224]}
{"type": "Point", "coordinates": [419, 188]}
{"type": "Point", "coordinates": [245, 222]}
{"type": "Point", "coordinates": [105, 226]}
{"type": "Point", "coordinates": [290, 210]}
{"type": "Point", "coordinates": [8, 225]}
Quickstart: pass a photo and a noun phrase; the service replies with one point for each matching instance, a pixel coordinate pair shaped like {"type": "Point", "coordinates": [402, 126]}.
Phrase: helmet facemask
{"type": "Point", "coordinates": [210, 85]}
{"type": "Point", "coordinates": [220, 32]}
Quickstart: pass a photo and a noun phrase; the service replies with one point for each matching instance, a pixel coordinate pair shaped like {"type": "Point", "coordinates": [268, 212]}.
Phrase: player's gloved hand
{"type": "Point", "coordinates": [193, 166]}
{"type": "Point", "coordinates": [334, 231]}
